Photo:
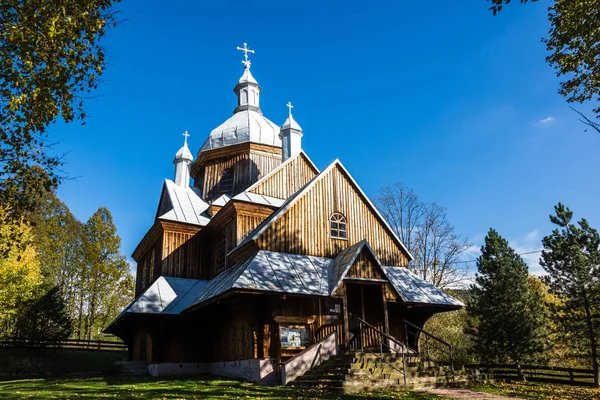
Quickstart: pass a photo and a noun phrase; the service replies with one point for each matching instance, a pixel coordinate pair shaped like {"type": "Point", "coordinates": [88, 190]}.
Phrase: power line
{"type": "Point", "coordinates": [520, 254]}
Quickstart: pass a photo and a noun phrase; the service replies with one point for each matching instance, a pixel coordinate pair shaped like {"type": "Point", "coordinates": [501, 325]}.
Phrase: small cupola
{"type": "Point", "coordinates": [183, 160]}
{"type": "Point", "coordinates": [290, 135]}
{"type": "Point", "coordinates": [247, 88]}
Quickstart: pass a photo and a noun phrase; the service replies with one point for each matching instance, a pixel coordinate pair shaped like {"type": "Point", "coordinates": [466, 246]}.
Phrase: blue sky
{"type": "Point", "coordinates": [456, 103]}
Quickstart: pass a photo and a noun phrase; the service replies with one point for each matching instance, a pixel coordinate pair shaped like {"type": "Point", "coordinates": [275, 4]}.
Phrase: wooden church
{"type": "Point", "coordinates": [264, 256]}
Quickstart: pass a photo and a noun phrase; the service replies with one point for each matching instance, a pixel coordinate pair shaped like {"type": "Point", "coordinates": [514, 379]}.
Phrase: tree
{"type": "Point", "coordinates": [427, 233]}
{"type": "Point", "coordinates": [573, 44]}
{"type": "Point", "coordinates": [571, 257]}
{"type": "Point", "coordinates": [58, 240]}
{"type": "Point", "coordinates": [45, 318]}
{"type": "Point", "coordinates": [511, 325]}
{"type": "Point", "coordinates": [106, 272]}
{"type": "Point", "coordinates": [50, 58]}
{"type": "Point", "coordinates": [19, 268]}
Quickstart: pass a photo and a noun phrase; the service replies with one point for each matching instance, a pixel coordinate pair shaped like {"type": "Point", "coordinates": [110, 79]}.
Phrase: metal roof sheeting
{"type": "Point", "coordinates": [167, 295]}
{"type": "Point", "coordinates": [186, 205]}
{"type": "Point", "coordinates": [274, 272]}
{"type": "Point", "coordinates": [413, 289]}
{"type": "Point", "coordinates": [259, 199]}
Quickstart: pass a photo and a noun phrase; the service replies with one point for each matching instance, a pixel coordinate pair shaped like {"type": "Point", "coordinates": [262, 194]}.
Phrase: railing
{"type": "Point", "coordinates": [428, 342]}
{"type": "Point", "coordinates": [309, 358]}
{"type": "Point", "coordinates": [569, 376]}
{"type": "Point", "coordinates": [99, 345]}
{"type": "Point", "coordinates": [370, 335]}
{"type": "Point", "coordinates": [327, 329]}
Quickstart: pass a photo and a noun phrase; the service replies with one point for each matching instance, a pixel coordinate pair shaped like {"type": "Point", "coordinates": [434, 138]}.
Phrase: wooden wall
{"type": "Point", "coordinates": [249, 161]}
{"type": "Point", "coordinates": [304, 228]}
{"type": "Point", "coordinates": [365, 267]}
{"type": "Point", "coordinates": [287, 180]}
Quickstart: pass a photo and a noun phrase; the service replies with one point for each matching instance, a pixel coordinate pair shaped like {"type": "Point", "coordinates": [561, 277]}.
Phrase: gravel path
{"type": "Point", "coordinates": [461, 394]}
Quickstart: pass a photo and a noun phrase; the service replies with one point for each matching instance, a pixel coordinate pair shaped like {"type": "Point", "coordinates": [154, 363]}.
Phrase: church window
{"type": "Point", "coordinates": [244, 97]}
{"type": "Point", "coordinates": [226, 182]}
{"type": "Point", "coordinates": [143, 279]}
{"type": "Point", "coordinates": [222, 256]}
{"type": "Point", "coordinates": [337, 227]}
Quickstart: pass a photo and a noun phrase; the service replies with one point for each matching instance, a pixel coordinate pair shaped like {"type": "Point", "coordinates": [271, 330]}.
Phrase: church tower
{"type": "Point", "coordinates": [241, 150]}
{"type": "Point", "coordinates": [182, 162]}
{"type": "Point", "coordinates": [290, 135]}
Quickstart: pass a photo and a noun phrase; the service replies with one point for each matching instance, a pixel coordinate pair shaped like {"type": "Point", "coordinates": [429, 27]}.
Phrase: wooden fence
{"type": "Point", "coordinates": [569, 376]}
{"type": "Point", "coordinates": [99, 345]}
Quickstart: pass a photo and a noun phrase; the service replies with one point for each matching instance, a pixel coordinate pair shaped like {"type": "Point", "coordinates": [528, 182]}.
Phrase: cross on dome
{"type": "Point", "coordinates": [246, 50]}
{"type": "Point", "coordinates": [185, 135]}
{"type": "Point", "coordinates": [289, 106]}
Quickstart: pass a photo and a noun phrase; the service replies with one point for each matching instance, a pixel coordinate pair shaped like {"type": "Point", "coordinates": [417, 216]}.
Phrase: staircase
{"type": "Point", "coordinates": [365, 371]}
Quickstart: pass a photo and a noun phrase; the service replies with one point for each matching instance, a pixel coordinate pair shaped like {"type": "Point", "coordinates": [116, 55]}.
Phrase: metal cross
{"type": "Point", "coordinates": [185, 135]}
{"type": "Point", "coordinates": [289, 106]}
{"type": "Point", "coordinates": [246, 50]}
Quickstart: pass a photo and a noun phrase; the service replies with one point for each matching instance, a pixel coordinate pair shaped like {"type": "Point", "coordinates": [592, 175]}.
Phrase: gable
{"type": "Point", "coordinates": [302, 225]}
{"type": "Point", "coordinates": [286, 179]}
{"type": "Point", "coordinates": [365, 267]}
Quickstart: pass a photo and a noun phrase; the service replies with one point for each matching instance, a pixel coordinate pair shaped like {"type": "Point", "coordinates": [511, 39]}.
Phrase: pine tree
{"type": "Point", "coordinates": [571, 257]}
{"type": "Point", "coordinates": [46, 317]}
{"type": "Point", "coordinates": [510, 320]}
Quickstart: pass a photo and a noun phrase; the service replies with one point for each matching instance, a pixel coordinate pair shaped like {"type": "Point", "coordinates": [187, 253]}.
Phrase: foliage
{"type": "Point", "coordinates": [46, 317]}
{"type": "Point", "coordinates": [19, 268]}
{"type": "Point", "coordinates": [105, 273]}
{"type": "Point", "coordinates": [50, 58]}
{"type": "Point", "coordinates": [58, 239]}
{"type": "Point", "coordinates": [573, 44]}
{"type": "Point", "coordinates": [198, 387]}
{"type": "Point", "coordinates": [571, 257]}
{"type": "Point", "coordinates": [450, 327]}
{"type": "Point", "coordinates": [427, 233]}
{"type": "Point", "coordinates": [511, 325]}
{"type": "Point", "coordinates": [541, 391]}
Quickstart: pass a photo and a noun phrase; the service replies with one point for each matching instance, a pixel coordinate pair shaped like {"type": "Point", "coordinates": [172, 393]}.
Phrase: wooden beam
{"type": "Point", "coordinates": [346, 325]}
{"type": "Point", "coordinates": [386, 322]}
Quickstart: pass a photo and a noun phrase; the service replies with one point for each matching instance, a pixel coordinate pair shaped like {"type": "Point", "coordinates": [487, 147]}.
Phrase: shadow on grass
{"type": "Point", "coordinates": [197, 387]}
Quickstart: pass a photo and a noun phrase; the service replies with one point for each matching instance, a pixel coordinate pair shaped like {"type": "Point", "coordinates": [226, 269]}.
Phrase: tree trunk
{"type": "Point", "coordinates": [593, 343]}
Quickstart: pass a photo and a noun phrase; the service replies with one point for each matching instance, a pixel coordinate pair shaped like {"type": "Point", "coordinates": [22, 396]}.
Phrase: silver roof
{"type": "Point", "coordinates": [182, 205]}
{"type": "Point", "coordinates": [167, 296]}
{"type": "Point", "coordinates": [270, 271]}
{"type": "Point", "coordinates": [413, 289]}
{"type": "Point", "coordinates": [259, 199]}
{"type": "Point", "coordinates": [274, 272]}
{"type": "Point", "coordinates": [221, 201]}
{"type": "Point", "coordinates": [243, 126]}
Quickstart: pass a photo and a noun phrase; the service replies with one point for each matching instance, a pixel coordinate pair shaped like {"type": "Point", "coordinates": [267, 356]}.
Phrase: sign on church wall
{"type": "Point", "coordinates": [294, 336]}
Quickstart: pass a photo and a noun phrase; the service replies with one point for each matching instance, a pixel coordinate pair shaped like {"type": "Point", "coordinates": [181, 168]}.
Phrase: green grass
{"type": "Point", "coordinates": [546, 391]}
{"type": "Point", "coordinates": [44, 362]}
{"type": "Point", "coordinates": [202, 387]}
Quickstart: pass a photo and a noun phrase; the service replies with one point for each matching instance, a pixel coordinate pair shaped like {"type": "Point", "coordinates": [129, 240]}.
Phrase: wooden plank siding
{"type": "Point", "coordinates": [286, 181]}
{"type": "Point", "coordinates": [249, 162]}
{"type": "Point", "coordinates": [365, 267]}
{"type": "Point", "coordinates": [304, 227]}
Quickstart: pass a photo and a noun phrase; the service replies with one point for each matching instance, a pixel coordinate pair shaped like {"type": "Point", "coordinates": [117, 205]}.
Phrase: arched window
{"type": "Point", "coordinates": [337, 226]}
{"type": "Point", "coordinates": [226, 182]}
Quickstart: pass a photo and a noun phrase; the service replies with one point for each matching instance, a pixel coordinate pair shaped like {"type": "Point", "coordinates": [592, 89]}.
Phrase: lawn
{"type": "Point", "coordinates": [174, 388]}
{"type": "Point", "coordinates": [546, 391]}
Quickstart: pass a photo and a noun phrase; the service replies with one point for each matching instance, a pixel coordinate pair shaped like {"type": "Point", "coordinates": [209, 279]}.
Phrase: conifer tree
{"type": "Point", "coordinates": [571, 257]}
{"type": "Point", "coordinates": [510, 321]}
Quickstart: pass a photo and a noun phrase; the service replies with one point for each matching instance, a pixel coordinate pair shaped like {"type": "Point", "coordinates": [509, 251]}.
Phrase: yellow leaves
{"type": "Point", "coordinates": [19, 265]}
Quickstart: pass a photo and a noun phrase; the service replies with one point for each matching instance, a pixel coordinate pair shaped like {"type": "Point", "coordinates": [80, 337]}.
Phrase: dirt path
{"type": "Point", "coordinates": [467, 394]}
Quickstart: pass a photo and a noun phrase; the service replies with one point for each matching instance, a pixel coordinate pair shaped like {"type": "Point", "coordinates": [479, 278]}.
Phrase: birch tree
{"type": "Point", "coordinates": [425, 230]}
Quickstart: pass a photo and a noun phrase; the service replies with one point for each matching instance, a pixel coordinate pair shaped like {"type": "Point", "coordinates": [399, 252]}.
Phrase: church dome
{"type": "Point", "coordinates": [184, 153]}
{"type": "Point", "coordinates": [247, 123]}
{"type": "Point", "coordinates": [243, 126]}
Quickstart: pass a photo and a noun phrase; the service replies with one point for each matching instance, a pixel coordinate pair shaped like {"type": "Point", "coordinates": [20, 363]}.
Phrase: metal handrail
{"type": "Point", "coordinates": [445, 345]}
{"type": "Point", "coordinates": [381, 344]}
